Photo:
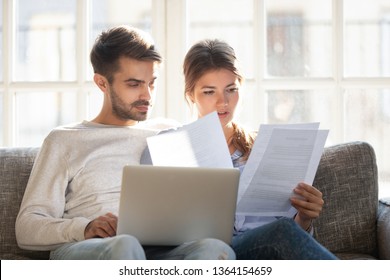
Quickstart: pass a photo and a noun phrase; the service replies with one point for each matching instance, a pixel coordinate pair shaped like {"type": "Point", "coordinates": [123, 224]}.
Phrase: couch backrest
{"type": "Point", "coordinates": [347, 177]}
{"type": "Point", "coordinates": [15, 168]}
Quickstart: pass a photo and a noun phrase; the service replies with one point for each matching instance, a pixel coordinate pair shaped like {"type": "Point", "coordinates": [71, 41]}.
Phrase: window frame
{"type": "Point", "coordinates": [169, 29]}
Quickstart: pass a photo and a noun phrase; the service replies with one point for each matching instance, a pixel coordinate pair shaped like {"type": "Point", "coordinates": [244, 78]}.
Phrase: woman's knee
{"type": "Point", "coordinates": [286, 224]}
{"type": "Point", "coordinates": [288, 229]}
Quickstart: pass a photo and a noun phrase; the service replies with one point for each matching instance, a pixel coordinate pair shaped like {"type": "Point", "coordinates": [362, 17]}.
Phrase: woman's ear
{"type": "Point", "coordinates": [190, 98]}
{"type": "Point", "coordinates": [101, 82]}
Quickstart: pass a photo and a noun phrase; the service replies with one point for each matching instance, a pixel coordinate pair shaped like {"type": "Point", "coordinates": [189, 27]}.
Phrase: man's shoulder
{"type": "Point", "coordinates": [94, 132]}
{"type": "Point", "coordinates": [68, 128]}
{"type": "Point", "coordinates": [159, 124]}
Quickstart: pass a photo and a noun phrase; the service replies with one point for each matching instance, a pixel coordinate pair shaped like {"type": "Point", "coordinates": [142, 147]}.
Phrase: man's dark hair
{"type": "Point", "coordinates": [121, 41]}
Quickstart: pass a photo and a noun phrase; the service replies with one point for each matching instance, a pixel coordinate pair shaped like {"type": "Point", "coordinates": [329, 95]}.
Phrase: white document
{"type": "Point", "coordinates": [198, 144]}
{"type": "Point", "coordinates": [282, 156]}
{"type": "Point", "coordinates": [259, 147]}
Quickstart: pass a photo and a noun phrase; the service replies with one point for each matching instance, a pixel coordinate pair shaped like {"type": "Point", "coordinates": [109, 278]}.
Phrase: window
{"type": "Point", "coordinates": [46, 77]}
{"type": "Point", "coordinates": [366, 39]}
{"type": "Point", "coordinates": [45, 41]}
{"type": "Point", "coordinates": [305, 61]}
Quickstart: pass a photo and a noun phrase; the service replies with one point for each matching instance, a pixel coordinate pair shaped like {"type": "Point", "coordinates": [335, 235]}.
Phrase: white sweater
{"type": "Point", "coordinates": [76, 177]}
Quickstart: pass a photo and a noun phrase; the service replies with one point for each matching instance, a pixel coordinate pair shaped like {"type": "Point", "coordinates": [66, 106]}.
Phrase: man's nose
{"type": "Point", "coordinates": [147, 93]}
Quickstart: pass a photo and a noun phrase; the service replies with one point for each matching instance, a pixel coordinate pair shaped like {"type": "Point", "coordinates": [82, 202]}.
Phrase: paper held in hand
{"type": "Point", "coordinates": [198, 144]}
{"type": "Point", "coordinates": [282, 156]}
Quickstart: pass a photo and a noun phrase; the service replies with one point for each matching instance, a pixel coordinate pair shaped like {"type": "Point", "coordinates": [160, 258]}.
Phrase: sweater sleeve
{"type": "Point", "coordinates": [40, 224]}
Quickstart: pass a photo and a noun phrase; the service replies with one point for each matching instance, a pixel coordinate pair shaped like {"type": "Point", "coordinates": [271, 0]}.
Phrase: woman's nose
{"type": "Point", "coordinates": [223, 100]}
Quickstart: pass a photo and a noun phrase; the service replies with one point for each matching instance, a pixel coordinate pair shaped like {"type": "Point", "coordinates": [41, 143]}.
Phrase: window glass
{"type": "Point", "coordinates": [248, 111]}
{"type": "Point", "coordinates": [301, 106]}
{"type": "Point", "coordinates": [110, 13]}
{"type": "Point", "coordinates": [299, 38]}
{"type": "Point", "coordinates": [95, 102]}
{"type": "Point", "coordinates": [45, 40]}
{"type": "Point", "coordinates": [229, 21]}
{"type": "Point", "coordinates": [367, 38]}
{"type": "Point", "coordinates": [1, 40]}
{"type": "Point", "coordinates": [1, 120]}
{"type": "Point", "coordinates": [367, 118]}
{"type": "Point", "coordinates": [37, 113]}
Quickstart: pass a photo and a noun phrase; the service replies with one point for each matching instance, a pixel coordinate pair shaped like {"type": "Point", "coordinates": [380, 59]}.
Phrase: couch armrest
{"type": "Point", "coordinates": [383, 228]}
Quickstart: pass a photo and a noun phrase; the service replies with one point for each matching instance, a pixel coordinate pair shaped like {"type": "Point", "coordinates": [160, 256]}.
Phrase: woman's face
{"type": "Point", "coordinates": [217, 90]}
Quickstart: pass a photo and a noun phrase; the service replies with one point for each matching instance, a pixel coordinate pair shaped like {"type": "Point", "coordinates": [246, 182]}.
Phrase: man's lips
{"type": "Point", "coordinates": [142, 105]}
{"type": "Point", "coordinates": [142, 108]}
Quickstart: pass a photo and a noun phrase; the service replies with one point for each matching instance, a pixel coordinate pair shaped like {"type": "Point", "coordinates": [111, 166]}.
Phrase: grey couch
{"type": "Point", "coordinates": [353, 224]}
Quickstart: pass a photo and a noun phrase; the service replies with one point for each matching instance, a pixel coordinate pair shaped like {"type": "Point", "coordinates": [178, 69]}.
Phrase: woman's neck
{"type": "Point", "coordinates": [228, 131]}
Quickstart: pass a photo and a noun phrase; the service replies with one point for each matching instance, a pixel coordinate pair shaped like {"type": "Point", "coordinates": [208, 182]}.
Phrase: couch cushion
{"type": "Point", "coordinates": [15, 168]}
{"type": "Point", "coordinates": [347, 177]}
{"type": "Point", "coordinates": [383, 227]}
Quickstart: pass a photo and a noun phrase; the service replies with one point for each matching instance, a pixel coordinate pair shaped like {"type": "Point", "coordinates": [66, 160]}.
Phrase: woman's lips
{"type": "Point", "coordinates": [223, 114]}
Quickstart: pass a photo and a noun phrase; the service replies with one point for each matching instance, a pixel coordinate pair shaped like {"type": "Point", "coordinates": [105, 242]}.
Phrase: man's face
{"type": "Point", "coordinates": [131, 94]}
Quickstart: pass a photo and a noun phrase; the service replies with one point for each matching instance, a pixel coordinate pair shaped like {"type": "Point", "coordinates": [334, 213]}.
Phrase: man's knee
{"type": "Point", "coordinates": [126, 247]}
{"type": "Point", "coordinates": [222, 250]}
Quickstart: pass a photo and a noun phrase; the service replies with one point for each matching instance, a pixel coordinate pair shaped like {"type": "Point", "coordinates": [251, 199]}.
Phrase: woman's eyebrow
{"type": "Point", "coordinates": [232, 84]}
{"type": "Point", "coordinates": [203, 87]}
{"type": "Point", "coordinates": [214, 87]}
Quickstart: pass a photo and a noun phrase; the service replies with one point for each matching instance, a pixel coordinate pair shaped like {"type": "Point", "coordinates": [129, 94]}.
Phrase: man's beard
{"type": "Point", "coordinates": [125, 111]}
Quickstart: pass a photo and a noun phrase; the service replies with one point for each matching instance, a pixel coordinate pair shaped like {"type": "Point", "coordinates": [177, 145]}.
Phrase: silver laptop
{"type": "Point", "coordinates": [162, 205]}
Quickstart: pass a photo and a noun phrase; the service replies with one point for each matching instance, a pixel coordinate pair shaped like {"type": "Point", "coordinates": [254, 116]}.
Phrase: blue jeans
{"type": "Point", "coordinates": [127, 247]}
{"type": "Point", "coordinates": [283, 239]}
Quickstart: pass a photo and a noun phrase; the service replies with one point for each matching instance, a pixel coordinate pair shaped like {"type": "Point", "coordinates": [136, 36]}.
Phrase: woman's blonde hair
{"type": "Point", "coordinates": [209, 55]}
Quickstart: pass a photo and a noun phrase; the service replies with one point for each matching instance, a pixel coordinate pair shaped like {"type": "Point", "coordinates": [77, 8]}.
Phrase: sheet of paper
{"type": "Point", "coordinates": [259, 147]}
{"type": "Point", "coordinates": [198, 144]}
{"type": "Point", "coordinates": [288, 157]}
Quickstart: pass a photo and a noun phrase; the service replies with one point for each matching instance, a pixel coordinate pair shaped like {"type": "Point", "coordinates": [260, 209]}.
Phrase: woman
{"type": "Point", "coordinates": [212, 83]}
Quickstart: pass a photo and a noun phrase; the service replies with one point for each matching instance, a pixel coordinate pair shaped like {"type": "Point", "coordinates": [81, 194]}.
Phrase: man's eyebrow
{"type": "Point", "coordinates": [137, 80]}
{"type": "Point", "coordinates": [134, 80]}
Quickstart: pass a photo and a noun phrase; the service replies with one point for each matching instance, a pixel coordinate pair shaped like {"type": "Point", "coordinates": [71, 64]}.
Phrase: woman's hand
{"type": "Point", "coordinates": [308, 202]}
{"type": "Point", "coordinates": [103, 226]}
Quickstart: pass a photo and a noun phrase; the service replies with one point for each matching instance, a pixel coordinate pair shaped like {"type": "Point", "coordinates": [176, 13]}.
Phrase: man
{"type": "Point", "coordinates": [72, 197]}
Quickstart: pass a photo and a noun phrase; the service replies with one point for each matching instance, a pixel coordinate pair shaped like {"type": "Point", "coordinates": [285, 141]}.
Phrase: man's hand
{"type": "Point", "coordinates": [103, 226]}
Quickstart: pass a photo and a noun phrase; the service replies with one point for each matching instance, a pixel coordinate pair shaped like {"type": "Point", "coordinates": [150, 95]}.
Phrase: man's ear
{"type": "Point", "coordinates": [101, 82]}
